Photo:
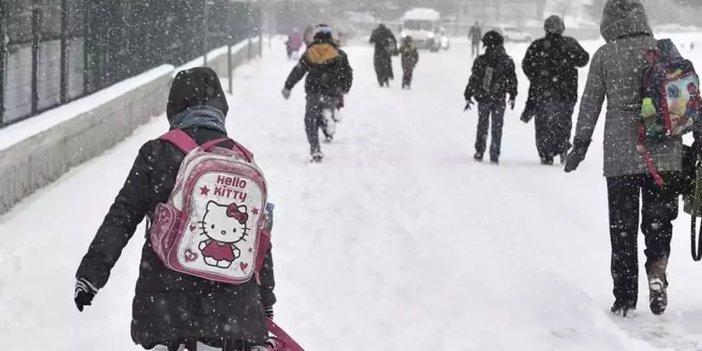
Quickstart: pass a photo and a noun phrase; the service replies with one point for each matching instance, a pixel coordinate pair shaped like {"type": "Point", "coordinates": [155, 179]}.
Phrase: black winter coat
{"type": "Point", "coordinates": [169, 305]}
{"type": "Point", "coordinates": [385, 42]}
{"type": "Point", "coordinates": [409, 56]}
{"type": "Point", "coordinates": [503, 82]}
{"type": "Point", "coordinates": [551, 65]}
{"type": "Point", "coordinates": [327, 68]}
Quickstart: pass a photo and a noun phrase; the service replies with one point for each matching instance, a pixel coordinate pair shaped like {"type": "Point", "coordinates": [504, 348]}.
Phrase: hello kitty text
{"type": "Point", "coordinates": [229, 187]}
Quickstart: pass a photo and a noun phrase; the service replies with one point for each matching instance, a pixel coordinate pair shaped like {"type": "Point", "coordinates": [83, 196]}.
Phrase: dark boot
{"type": "Point", "coordinates": [657, 286]}
{"type": "Point", "coordinates": [478, 156]}
{"type": "Point", "coordinates": [623, 308]}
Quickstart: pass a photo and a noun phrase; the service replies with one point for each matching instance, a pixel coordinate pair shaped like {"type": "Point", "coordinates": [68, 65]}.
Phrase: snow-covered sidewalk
{"type": "Point", "coordinates": [398, 241]}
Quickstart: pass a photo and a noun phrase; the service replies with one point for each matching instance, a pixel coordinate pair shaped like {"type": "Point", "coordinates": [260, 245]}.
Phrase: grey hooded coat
{"type": "Point", "coordinates": [616, 72]}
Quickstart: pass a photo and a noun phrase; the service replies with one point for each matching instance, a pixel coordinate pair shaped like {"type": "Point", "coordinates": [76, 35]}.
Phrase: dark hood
{"type": "Point", "coordinates": [622, 18]}
{"type": "Point", "coordinates": [198, 86]}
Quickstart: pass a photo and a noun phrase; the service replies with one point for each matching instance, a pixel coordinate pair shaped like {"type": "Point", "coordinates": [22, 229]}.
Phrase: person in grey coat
{"type": "Point", "coordinates": [616, 71]}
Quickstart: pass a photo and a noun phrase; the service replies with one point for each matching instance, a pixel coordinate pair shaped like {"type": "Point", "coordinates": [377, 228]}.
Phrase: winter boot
{"type": "Point", "coordinates": [547, 160]}
{"type": "Point", "coordinates": [495, 160]}
{"type": "Point", "coordinates": [478, 156]}
{"type": "Point", "coordinates": [657, 285]}
{"type": "Point", "coordinates": [623, 308]}
{"type": "Point", "coordinates": [317, 157]}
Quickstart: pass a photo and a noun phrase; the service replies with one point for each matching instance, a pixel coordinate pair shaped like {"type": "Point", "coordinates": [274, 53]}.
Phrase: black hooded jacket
{"type": "Point", "coordinates": [504, 77]}
{"type": "Point", "coordinates": [551, 64]}
{"type": "Point", "coordinates": [169, 305]}
{"type": "Point", "coordinates": [327, 69]}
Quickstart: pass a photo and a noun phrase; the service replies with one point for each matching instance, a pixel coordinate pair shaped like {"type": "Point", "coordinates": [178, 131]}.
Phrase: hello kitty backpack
{"type": "Point", "coordinates": [212, 226]}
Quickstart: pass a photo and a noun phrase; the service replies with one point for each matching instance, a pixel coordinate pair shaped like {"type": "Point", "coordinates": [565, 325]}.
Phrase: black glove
{"type": "Point", "coordinates": [286, 93]}
{"type": "Point", "coordinates": [511, 102]}
{"type": "Point", "coordinates": [469, 104]}
{"type": "Point", "coordinates": [269, 312]}
{"type": "Point", "coordinates": [576, 155]}
{"type": "Point", "coordinates": [84, 294]}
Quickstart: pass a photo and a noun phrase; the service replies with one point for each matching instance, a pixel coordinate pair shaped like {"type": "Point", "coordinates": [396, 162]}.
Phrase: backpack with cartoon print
{"type": "Point", "coordinates": [212, 226]}
{"type": "Point", "coordinates": [671, 99]}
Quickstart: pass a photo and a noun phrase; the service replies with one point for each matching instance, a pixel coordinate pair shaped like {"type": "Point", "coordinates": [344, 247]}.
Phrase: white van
{"type": "Point", "coordinates": [423, 25]}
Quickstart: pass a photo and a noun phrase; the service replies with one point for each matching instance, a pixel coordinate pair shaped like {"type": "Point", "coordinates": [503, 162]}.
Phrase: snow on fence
{"type": "Point", "coordinates": [36, 152]}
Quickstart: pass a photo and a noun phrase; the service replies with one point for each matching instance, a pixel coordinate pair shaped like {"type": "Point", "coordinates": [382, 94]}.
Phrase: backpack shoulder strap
{"type": "Point", "coordinates": [248, 154]}
{"type": "Point", "coordinates": [180, 139]}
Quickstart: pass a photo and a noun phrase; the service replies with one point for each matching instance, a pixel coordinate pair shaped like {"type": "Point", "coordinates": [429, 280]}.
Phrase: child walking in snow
{"type": "Point", "coordinates": [493, 77]}
{"type": "Point", "coordinates": [410, 57]}
{"type": "Point", "coordinates": [171, 309]}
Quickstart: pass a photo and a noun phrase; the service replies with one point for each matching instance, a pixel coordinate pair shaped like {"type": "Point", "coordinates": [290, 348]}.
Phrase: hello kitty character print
{"type": "Point", "coordinates": [224, 226]}
{"type": "Point", "coordinates": [211, 226]}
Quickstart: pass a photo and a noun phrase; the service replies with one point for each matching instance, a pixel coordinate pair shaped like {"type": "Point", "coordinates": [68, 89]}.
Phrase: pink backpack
{"type": "Point", "coordinates": [212, 226]}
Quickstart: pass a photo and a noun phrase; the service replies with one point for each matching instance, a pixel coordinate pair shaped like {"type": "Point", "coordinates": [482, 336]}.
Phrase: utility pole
{"type": "Point", "coordinates": [204, 31]}
{"type": "Point", "coordinates": [3, 51]}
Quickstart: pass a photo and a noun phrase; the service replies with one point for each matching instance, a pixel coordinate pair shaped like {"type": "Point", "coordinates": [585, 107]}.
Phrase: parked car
{"type": "Point", "coordinates": [514, 34]}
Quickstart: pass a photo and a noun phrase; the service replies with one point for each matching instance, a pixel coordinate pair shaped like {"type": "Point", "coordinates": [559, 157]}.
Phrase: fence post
{"type": "Point", "coordinates": [3, 52]}
{"type": "Point", "coordinates": [229, 68]}
{"type": "Point", "coordinates": [249, 49]}
{"type": "Point", "coordinates": [64, 51]}
{"type": "Point", "coordinates": [260, 43]}
{"type": "Point", "coordinates": [204, 32]}
{"type": "Point", "coordinates": [36, 22]}
{"type": "Point", "coordinates": [86, 46]}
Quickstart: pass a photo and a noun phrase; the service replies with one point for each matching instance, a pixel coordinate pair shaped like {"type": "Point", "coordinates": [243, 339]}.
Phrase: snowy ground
{"type": "Point", "coordinates": [399, 241]}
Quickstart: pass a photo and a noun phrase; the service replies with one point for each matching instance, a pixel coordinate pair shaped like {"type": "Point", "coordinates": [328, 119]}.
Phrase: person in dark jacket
{"type": "Point", "coordinates": [493, 77]}
{"type": "Point", "coordinates": [171, 309]}
{"type": "Point", "coordinates": [475, 35]}
{"type": "Point", "coordinates": [410, 57]}
{"type": "Point", "coordinates": [551, 65]}
{"type": "Point", "coordinates": [616, 72]}
{"type": "Point", "coordinates": [329, 78]}
{"type": "Point", "coordinates": [385, 48]}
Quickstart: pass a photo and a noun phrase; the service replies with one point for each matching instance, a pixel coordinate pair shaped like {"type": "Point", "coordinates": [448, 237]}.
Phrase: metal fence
{"type": "Point", "coordinates": [55, 51]}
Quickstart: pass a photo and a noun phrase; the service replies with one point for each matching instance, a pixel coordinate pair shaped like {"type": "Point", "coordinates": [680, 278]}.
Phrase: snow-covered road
{"type": "Point", "coordinates": [398, 241]}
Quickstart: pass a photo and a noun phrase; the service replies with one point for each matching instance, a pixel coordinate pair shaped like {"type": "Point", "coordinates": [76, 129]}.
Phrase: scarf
{"type": "Point", "coordinates": [199, 117]}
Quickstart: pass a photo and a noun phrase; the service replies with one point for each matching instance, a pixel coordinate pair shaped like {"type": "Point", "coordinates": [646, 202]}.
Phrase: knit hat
{"type": "Point", "coordinates": [554, 25]}
{"type": "Point", "coordinates": [323, 32]}
{"type": "Point", "coordinates": [493, 39]}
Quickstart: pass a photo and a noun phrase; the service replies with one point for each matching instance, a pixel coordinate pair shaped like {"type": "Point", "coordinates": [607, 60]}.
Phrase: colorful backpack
{"type": "Point", "coordinates": [671, 99]}
{"type": "Point", "coordinates": [212, 226]}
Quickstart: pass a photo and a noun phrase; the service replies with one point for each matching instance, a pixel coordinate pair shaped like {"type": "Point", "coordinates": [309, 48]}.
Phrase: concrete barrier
{"type": "Point", "coordinates": [38, 151]}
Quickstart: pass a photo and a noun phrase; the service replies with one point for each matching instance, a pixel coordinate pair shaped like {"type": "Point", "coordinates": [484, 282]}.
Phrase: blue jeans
{"type": "Point", "coordinates": [497, 112]}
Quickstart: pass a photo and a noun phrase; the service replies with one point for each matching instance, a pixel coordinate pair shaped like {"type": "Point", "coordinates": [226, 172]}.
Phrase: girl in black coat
{"type": "Point", "coordinates": [171, 308]}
